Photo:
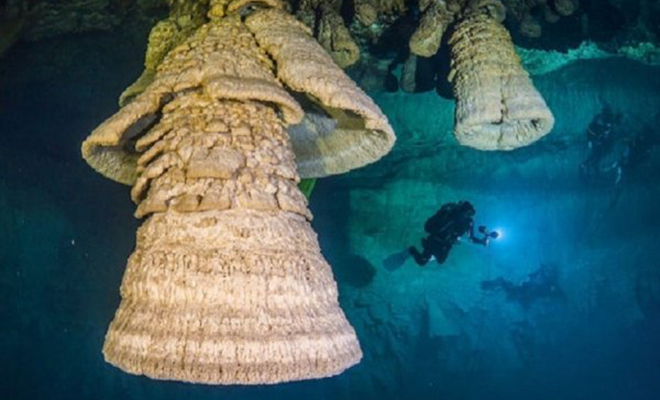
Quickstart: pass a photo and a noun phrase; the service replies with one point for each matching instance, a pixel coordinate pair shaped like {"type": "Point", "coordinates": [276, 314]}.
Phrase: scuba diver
{"type": "Point", "coordinates": [636, 153]}
{"type": "Point", "coordinates": [542, 283]}
{"type": "Point", "coordinates": [600, 137]}
{"type": "Point", "coordinates": [445, 228]}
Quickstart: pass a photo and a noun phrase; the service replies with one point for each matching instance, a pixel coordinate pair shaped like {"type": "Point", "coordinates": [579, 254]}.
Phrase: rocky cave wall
{"type": "Point", "coordinates": [354, 29]}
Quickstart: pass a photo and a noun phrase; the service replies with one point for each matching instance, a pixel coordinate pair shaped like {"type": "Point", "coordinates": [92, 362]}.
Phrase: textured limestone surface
{"type": "Point", "coordinates": [324, 19]}
{"type": "Point", "coordinates": [184, 18]}
{"type": "Point", "coordinates": [426, 40]}
{"type": "Point", "coordinates": [343, 128]}
{"type": "Point", "coordinates": [339, 129]}
{"type": "Point", "coordinates": [497, 106]}
{"type": "Point", "coordinates": [526, 13]}
{"type": "Point", "coordinates": [227, 284]}
{"type": "Point", "coordinates": [215, 51]}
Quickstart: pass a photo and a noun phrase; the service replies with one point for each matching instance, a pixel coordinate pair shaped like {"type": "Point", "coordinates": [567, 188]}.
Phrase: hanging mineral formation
{"type": "Point", "coordinates": [497, 105]}
{"type": "Point", "coordinates": [227, 284]}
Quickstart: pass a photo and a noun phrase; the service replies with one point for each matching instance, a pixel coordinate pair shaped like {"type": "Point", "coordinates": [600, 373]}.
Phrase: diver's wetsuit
{"type": "Point", "coordinates": [451, 222]}
{"type": "Point", "coordinates": [600, 136]}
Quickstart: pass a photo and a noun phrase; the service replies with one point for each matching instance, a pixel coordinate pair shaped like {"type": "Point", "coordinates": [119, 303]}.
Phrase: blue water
{"type": "Point", "coordinates": [431, 333]}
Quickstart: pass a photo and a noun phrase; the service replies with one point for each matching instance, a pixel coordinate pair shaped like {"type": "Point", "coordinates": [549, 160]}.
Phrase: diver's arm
{"type": "Point", "coordinates": [473, 238]}
{"type": "Point", "coordinates": [482, 241]}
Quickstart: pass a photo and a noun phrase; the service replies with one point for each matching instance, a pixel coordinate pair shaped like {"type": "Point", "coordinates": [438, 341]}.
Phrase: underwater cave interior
{"type": "Point", "coordinates": [564, 304]}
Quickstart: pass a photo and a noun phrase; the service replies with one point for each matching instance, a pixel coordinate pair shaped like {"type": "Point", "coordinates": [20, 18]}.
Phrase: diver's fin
{"type": "Point", "coordinates": [396, 260]}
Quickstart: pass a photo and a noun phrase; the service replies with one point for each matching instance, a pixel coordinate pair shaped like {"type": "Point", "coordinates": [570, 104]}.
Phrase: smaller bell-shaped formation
{"type": "Point", "coordinates": [497, 105]}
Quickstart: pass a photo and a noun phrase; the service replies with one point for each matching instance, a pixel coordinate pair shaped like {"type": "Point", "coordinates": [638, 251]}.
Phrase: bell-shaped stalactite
{"type": "Point", "coordinates": [227, 283]}
{"type": "Point", "coordinates": [497, 105]}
